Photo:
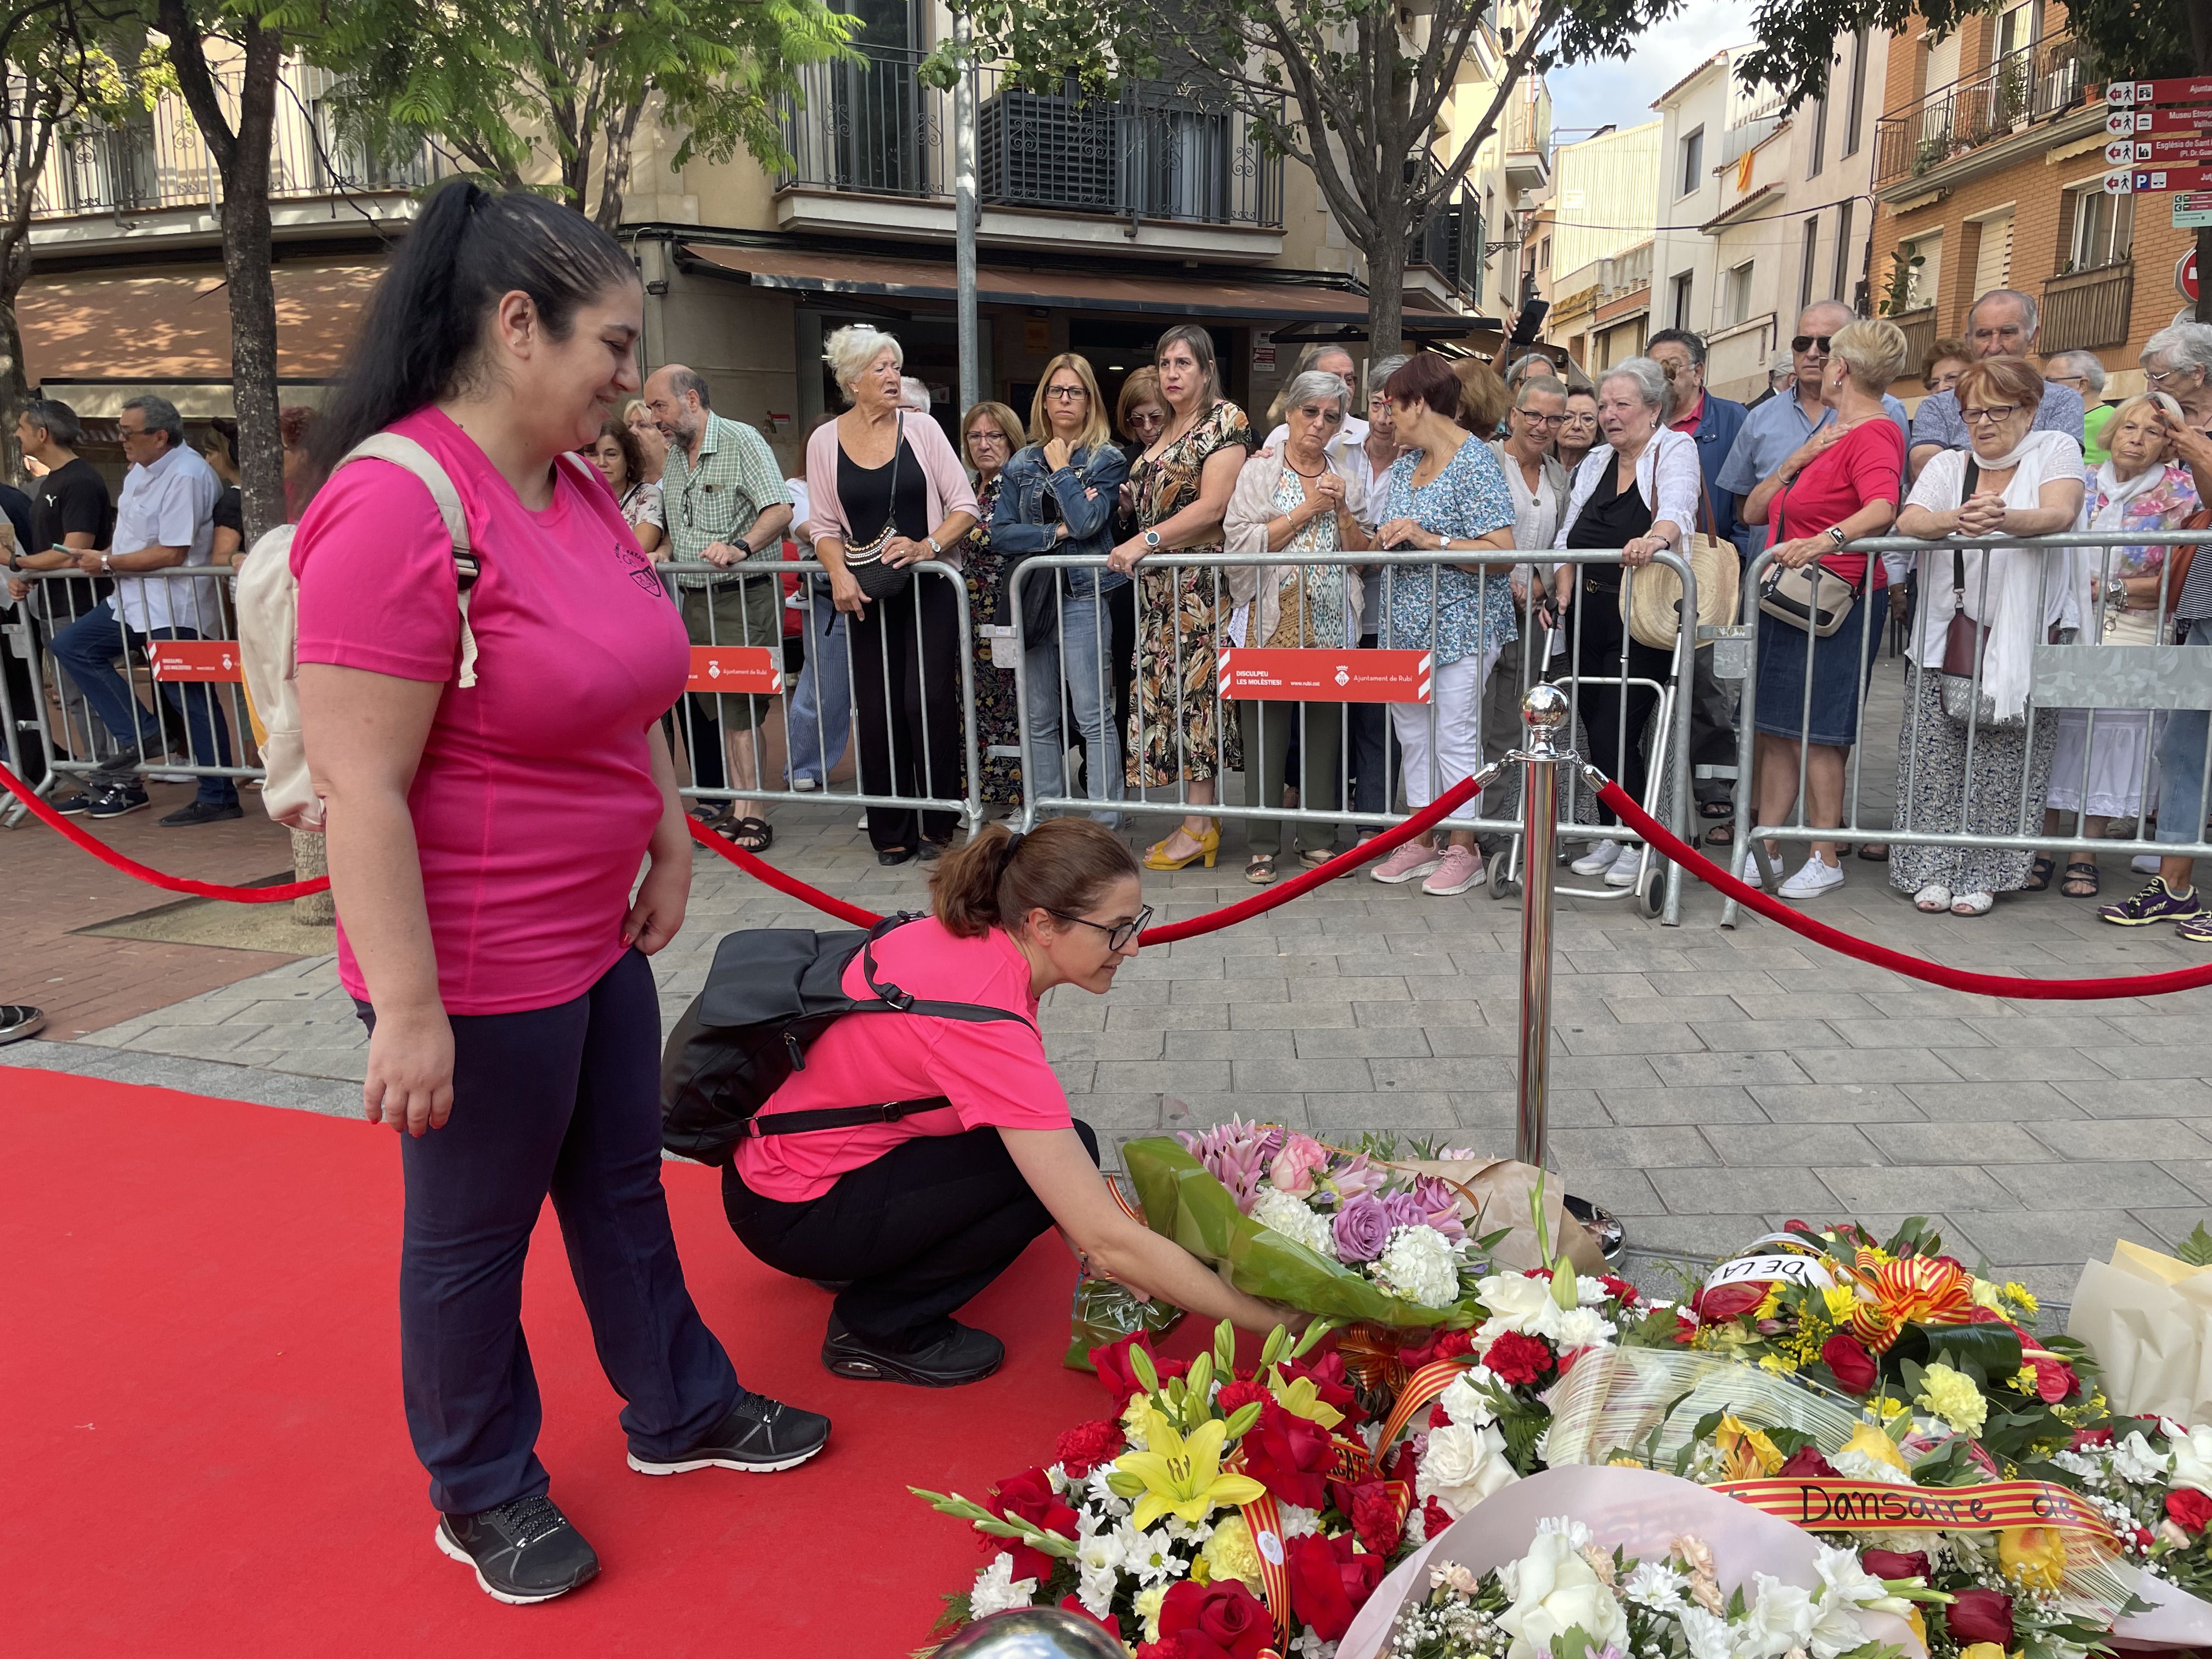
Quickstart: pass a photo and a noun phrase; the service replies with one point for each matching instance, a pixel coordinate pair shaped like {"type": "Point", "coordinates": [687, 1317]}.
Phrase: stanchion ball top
{"type": "Point", "coordinates": [1544, 709]}
{"type": "Point", "coordinates": [1032, 1633]}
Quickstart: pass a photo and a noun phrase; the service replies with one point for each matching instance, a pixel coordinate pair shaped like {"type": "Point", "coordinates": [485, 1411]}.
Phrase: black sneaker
{"type": "Point", "coordinates": [199, 811]}
{"type": "Point", "coordinates": [523, 1552]}
{"type": "Point", "coordinates": [73, 803]}
{"type": "Point", "coordinates": [115, 803]}
{"type": "Point", "coordinates": [759, 1436]}
{"type": "Point", "coordinates": [967, 1355]}
{"type": "Point", "coordinates": [19, 1020]}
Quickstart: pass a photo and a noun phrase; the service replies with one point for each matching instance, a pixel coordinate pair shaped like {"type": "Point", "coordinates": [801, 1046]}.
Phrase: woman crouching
{"type": "Point", "coordinates": [911, 1219]}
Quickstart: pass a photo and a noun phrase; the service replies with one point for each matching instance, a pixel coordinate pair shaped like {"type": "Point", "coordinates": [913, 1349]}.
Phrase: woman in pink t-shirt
{"type": "Point", "coordinates": [911, 1219]}
{"type": "Point", "coordinates": [484, 839]}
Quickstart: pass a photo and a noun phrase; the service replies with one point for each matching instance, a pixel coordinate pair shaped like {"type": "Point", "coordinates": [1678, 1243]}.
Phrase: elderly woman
{"type": "Point", "coordinates": [1947, 360]}
{"type": "Point", "coordinates": [1295, 502]}
{"type": "Point", "coordinates": [1578, 434]}
{"type": "Point", "coordinates": [1841, 484]}
{"type": "Point", "coordinates": [2136, 488]}
{"type": "Point", "coordinates": [617, 454]}
{"type": "Point", "coordinates": [1445, 494]}
{"type": "Point", "coordinates": [1183, 482]}
{"type": "Point", "coordinates": [884, 492]}
{"type": "Point", "coordinates": [1637, 492]}
{"type": "Point", "coordinates": [2015, 480]}
{"type": "Point", "coordinates": [1059, 496]}
{"type": "Point", "coordinates": [991, 432]}
{"type": "Point", "coordinates": [651, 441]}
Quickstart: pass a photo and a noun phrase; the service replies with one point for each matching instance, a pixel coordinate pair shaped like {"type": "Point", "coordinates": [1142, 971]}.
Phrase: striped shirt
{"type": "Point", "coordinates": [734, 481]}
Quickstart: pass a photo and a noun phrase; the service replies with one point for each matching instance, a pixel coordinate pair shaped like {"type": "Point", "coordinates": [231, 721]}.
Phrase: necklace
{"type": "Point", "coordinates": [1294, 467]}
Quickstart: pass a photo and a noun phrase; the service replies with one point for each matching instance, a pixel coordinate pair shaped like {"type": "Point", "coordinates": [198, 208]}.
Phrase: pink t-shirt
{"type": "Point", "coordinates": [994, 1074]}
{"type": "Point", "coordinates": [535, 797]}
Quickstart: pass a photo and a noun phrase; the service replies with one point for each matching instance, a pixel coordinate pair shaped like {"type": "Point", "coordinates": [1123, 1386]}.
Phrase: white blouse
{"type": "Point", "coordinates": [1666, 475]}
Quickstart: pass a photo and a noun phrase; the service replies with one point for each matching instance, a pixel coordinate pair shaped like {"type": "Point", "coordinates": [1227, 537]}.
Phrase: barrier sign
{"type": "Point", "coordinates": [195, 660]}
{"type": "Point", "coordinates": [1251, 674]}
{"type": "Point", "coordinates": [2134, 122]}
{"type": "Point", "coordinates": [2178, 89]}
{"type": "Point", "coordinates": [736, 668]}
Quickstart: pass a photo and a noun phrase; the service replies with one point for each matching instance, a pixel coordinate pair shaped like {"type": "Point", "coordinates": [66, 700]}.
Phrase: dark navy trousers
{"type": "Point", "coordinates": [561, 1102]}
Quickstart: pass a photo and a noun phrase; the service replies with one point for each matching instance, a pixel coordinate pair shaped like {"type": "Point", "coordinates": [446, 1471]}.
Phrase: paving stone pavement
{"type": "Point", "coordinates": [1708, 1084]}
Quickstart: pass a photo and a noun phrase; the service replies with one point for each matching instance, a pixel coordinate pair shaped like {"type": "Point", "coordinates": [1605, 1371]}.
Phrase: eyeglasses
{"type": "Point", "coordinates": [990, 435]}
{"type": "Point", "coordinates": [1534, 419]}
{"type": "Point", "coordinates": [2160, 376]}
{"type": "Point", "coordinates": [1066, 394]}
{"type": "Point", "coordinates": [1118, 933]}
{"type": "Point", "coordinates": [1804, 343]}
{"type": "Point", "coordinates": [1998, 414]}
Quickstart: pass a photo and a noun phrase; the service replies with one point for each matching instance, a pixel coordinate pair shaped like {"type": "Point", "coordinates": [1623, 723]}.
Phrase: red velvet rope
{"type": "Point", "coordinates": [107, 855]}
{"type": "Point", "coordinates": [1957, 978]}
{"type": "Point", "coordinates": [789, 885]}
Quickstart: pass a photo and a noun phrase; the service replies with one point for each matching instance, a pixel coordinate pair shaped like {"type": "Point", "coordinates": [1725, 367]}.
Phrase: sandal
{"type": "Point", "coordinates": [2080, 881]}
{"type": "Point", "coordinates": [1932, 900]}
{"type": "Point", "coordinates": [754, 834]}
{"type": "Point", "coordinates": [1261, 872]}
{"type": "Point", "coordinates": [709, 814]}
{"type": "Point", "coordinates": [1876, 851]}
{"type": "Point", "coordinates": [2039, 873]}
{"type": "Point", "coordinates": [1973, 904]}
{"type": "Point", "coordinates": [1720, 835]}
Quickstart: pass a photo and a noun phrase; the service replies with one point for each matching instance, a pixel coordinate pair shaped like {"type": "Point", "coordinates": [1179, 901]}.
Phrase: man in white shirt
{"type": "Point", "coordinates": [165, 517]}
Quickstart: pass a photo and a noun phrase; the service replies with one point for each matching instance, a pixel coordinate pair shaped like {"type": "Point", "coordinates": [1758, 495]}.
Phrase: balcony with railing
{"type": "Point", "coordinates": [2037, 83]}
{"type": "Point", "coordinates": [2084, 310]}
{"type": "Point", "coordinates": [1528, 140]}
{"type": "Point", "coordinates": [158, 162]}
{"type": "Point", "coordinates": [1150, 151]}
{"type": "Point", "coordinates": [1453, 243]}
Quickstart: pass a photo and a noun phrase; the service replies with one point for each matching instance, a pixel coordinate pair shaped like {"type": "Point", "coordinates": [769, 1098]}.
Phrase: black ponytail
{"type": "Point", "coordinates": [1064, 865]}
{"type": "Point", "coordinates": [424, 323]}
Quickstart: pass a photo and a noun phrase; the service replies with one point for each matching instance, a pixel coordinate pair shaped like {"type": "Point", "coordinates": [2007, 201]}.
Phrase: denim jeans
{"type": "Point", "coordinates": [2181, 763]}
{"type": "Point", "coordinates": [88, 649]}
{"type": "Point", "coordinates": [821, 717]}
{"type": "Point", "coordinates": [1085, 627]}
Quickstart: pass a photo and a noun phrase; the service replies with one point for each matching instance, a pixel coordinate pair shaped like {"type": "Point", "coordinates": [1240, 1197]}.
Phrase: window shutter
{"type": "Point", "coordinates": [1993, 260]}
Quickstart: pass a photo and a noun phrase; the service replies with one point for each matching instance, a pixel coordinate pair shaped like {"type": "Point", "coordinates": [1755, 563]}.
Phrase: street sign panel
{"type": "Point", "coordinates": [2184, 147]}
{"type": "Point", "coordinates": [735, 669]}
{"type": "Point", "coordinates": [2134, 122]}
{"type": "Point", "coordinates": [195, 660]}
{"type": "Point", "coordinates": [2133, 95]}
{"type": "Point", "coordinates": [2159, 178]}
{"type": "Point", "coordinates": [1253, 674]}
{"type": "Point", "coordinates": [2119, 183]}
{"type": "Point", "coordinates": [2184, 275]}
{"type": "Point", "coordinates": [2192, 210]}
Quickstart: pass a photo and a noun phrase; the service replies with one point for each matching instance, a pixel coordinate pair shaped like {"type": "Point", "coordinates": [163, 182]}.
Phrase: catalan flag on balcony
{"type": "Point", "coordinates": [1743, 171]}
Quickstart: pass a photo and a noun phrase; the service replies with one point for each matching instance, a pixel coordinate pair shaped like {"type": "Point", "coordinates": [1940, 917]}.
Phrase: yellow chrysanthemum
{"type": "Point", "coordinates": [1842, 1301]}
{"type": "Point", "coordinates": [2023, 1380]}
{"type": "Point", "coordinates": [1951, 1394]}
{"type": "Point", "coordinates": [1148, 1608]}
{"type": "Point", "coordinates": [1230, 1553]}
{"type": "Point", "coordinates": [2022, 1298]}
{"type": "Point", "coordinates": [1779, 1363]}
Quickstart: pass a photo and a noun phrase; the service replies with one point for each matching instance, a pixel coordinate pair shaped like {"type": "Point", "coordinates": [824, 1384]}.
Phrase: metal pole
{"type": "Point", "coordinates": [1544, 714]}
{"type": "Point", "coordinates": [966, 140]}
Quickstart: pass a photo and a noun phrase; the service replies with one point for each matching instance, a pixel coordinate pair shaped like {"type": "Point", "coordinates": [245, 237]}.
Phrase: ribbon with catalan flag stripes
{"type": "Point", "coordinates": [1839, 1505]}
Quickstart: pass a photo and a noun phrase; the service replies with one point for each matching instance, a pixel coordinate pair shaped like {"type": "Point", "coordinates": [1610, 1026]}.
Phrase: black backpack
{"type": "Point", "coordinates": [769, 995]}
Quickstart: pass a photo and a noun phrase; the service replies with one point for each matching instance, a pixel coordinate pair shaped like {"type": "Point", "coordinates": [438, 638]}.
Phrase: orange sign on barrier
{"type": "Point", "coordinates": [195, 660]}
{"type": "Point", "coordinates": [1257, 675]}
{"type": "Point", "coordinates": [736, 668]}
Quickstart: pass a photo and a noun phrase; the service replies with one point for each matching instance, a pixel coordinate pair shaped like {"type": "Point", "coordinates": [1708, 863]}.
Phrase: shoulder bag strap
{"type": "Point", "coordinates": [404, 452]}
{"type": "Point", "coordinates": [892, 1000]}
{"type": "Point", "coordinates": [1958, 554]}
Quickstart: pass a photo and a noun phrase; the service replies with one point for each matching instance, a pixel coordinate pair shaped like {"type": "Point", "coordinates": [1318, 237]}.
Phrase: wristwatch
{"type": "Point", "coordinates": [744, 546]}
{"type": "Point", "coordinates": [1151, 541]}
{"type": "Point", "coordinates": [934, 550]}
{"type": "Point", "coordinates": [1836, 534]}
{"type": "Point", "coordinates": [106, 569]}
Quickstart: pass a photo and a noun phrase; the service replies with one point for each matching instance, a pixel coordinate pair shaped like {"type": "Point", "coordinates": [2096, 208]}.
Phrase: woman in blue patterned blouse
{"type": "Point", "coordinates": [1446, 492]}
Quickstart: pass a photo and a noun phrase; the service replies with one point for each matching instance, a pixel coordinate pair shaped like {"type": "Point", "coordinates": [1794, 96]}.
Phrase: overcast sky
{"type": "Point", "coordinates": [1586, 96]}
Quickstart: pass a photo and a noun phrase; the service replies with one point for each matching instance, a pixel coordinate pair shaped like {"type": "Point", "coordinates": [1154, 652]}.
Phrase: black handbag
{"type": "Point", "coordinates": [878, 578]}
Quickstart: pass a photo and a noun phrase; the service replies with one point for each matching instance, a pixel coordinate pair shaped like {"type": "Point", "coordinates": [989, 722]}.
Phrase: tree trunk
{"type": "Point", "coordinates": [14, 385]}
{"type": "Point", "coordinates": [247, 253]}
{"type": "Point", "coordinates": [1386, 284]}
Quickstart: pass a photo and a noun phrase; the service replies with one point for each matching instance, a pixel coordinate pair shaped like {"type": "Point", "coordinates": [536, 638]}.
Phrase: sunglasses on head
{"type": "Point", "coordinates": [1811, 342]}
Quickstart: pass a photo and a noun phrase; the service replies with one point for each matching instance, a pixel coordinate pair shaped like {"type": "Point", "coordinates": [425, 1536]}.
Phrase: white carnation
{"type": "Point", "coordinates": [1465, 1403]}
{"type": "Point", "coordinates": [1418, 1264]}
{"type": "Point", "coordinates": [1580, 1328]}
{"type": "Point", "coordinates": [1098, 1568]}
{"type": "Point", "coordinates": [1590, 1292]}
{"type": "Point", "coordinates": [997, 1589]}
{"type": "Point", "coordinates": [1297, 1522]}
{"type": "Point", "coordinates": [1291, 1218]}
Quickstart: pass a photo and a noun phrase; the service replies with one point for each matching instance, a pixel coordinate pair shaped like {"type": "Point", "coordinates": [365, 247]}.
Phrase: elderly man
{"type": "Point", "coordinates": [1327, 360]}
{"type": "Point", "coordinates": [725, 503]}
{"type": "Point", "coordinates": [2083, 373]}
{"type": "Point", "coordinates": [2002, 324]}
{"type": "Point", "coordinates": [165, 517]}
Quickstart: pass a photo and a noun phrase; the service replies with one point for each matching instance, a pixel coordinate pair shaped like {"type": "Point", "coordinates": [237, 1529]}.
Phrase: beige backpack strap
{"type": "Point", "coordinates": [405, 451]}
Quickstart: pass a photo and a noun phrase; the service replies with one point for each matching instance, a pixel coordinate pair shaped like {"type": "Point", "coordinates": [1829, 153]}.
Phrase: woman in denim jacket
{"type": "Point", "coordinates": [1059, 496]}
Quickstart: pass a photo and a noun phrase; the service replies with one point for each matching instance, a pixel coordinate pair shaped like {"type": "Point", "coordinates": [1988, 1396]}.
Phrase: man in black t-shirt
{"type": "Point", "coordinates": [69, 510]}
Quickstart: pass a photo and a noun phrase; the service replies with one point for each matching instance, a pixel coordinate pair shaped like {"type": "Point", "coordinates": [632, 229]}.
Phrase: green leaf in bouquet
{"type": "Point", "coordinates": [2195, 1250]}
{"type": "Point", "coordinates": [1572, 1643]}
{"type": "Point", "coordinates": [955, 1615]}
{"type": "Point", "coordinates": [1988, 1353]}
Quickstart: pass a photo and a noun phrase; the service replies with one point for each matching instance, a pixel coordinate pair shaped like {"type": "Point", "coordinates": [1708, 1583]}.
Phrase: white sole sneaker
{"type": "Point", "coordinates": [447, 1546]}
{"type": "Point", "coordinates": [690, 1463]}
{"type": "Point", "coordinates": [1815, 878]}
{"type": "Point", "coordinates": [1751, 876]}
{"type": "Point", "coordinates": [1474, 881]}
{"type": "Point", "coordinates": [1599, 860]}
{"type": "Point", "coordinates": [1625, 871]}
{"type": "Point", "coordinates": [1393, 878]}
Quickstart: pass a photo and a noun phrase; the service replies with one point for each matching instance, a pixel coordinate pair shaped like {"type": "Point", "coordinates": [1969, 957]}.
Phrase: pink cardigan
{"type": "Point", "coordinates": [950, 492]}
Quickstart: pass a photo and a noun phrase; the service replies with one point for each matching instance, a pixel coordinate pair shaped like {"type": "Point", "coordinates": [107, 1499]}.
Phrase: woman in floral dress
{"type": "Point", "coordinates": [990, 434]}
{"type": "Point", "coordinates": [1182, 485]}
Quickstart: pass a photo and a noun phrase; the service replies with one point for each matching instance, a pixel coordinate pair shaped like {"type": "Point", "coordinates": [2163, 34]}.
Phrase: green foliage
{"type": "Point", "coordinates": [2195, 1250]}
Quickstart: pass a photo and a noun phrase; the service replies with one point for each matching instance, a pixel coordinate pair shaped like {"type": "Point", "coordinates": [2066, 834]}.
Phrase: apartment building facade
{"type": "Point", "coordinates": [1988, 172]}
{"type": "Point", "coordinates": [1593, 261]}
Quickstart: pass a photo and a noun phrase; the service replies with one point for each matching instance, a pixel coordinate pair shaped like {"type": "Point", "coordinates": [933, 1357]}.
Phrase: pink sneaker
{"type": "Point", "coordinates": [1415, 858]}
{"type": "Point", "coordinates": [1462, 869]}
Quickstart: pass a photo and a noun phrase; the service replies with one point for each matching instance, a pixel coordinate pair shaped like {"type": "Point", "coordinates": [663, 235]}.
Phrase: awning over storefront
{"type": "Point", "coordinates": [1246, 295]}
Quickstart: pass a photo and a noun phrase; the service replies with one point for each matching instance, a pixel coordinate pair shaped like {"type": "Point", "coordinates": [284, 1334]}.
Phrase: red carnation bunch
{"type": "Point", "coordinates": [1084, 1447]}
{"type": "Point", "coordinates": [1235, 1396]}
{"type": "Point", "coordinates": [1375, 1518]}
{"type": "Point", "coordinates": [1518, 1359]}
{"type": "Point", "coordinates": [2188, 1510]}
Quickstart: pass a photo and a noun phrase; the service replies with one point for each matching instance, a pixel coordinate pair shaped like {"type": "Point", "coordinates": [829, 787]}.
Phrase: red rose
{"type": "Point", "coordinates": [1330, 1582]}
{"type": "Point", "coordinates": [1167, 1647]}
{"type": "Point", "coordinates": [1235, 1396]}
{"type": "Point", "coordinates": [1331, 1386]}
{"type": "Point", "coordinates": [1290, 1455]}
{"type": "Point", "coordinates": [1894, 1564]}
{"type": "Point", "coordinates": [2055, 1381]}
{"type": "Point", "coordinates": [1717, 1304]}
{"type": "Point", "coordinates": [1517, 1358]}
{"type": "Point", "coordinates": [1979, 1615]}
{"type": "Point", "coordinates": [1115, 1374]}
{"type": "Point", "coordinates": [1111, 1626]}
{"type": "Point", "coordinates": [1222, 1616]}
{"type": "Point", "coordinates": [1848, 1359]}
{"type": "Point", "coordinates": [1084, 1447]}
{"type": "Point", "coordinates": [2188, 1510]}
{"type": "Point", "coordinates": [1806, 1463]}
{"type": "Point", "coordinates": [1030, 1496]}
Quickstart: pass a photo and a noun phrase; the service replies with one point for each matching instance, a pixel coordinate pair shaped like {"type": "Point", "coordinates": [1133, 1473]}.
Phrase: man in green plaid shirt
{"type": "Point", "coordinates": [725, 503]}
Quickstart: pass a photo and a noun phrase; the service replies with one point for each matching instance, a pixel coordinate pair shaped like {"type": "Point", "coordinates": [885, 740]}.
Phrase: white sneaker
{"type": "Point", "coordinates": [1818, 877]}
{"type": "Point", "coordinates": [803, 786]}
{"type": "Point", "coordinates": [1626, 870]}
{"type": "Point", "coordinates": [1598, 859]}
{"type": "Point", "coordinates": [1751, 878]}
{"type": "Point", "coordinates": [864, 821]}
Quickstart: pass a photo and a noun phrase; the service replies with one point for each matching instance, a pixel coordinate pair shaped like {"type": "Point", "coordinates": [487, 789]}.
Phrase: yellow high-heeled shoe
{"type": "Point", "coordinates": [1209, 849]}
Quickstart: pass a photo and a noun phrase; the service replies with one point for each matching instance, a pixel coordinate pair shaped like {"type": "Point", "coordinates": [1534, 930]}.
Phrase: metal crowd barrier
{"type": "Point", "coordinates": [1049, 716]}
{"type": "Point", "coordinates": [2075, 673]}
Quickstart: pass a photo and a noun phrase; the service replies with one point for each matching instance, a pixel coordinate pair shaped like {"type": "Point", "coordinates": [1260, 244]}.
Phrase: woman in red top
{"type": "Point", "coordinates": [911, 1219]}
{"type": "Point", "coordinates": [484, 841]}
{"type": "Point", "coordinates": [1843, 483]}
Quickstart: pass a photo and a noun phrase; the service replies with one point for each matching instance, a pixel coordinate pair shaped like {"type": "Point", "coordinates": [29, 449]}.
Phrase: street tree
{"type": "Point", "coordinates": [542, 94]}
{"type": "Point", "coordinates": [1352, 89]}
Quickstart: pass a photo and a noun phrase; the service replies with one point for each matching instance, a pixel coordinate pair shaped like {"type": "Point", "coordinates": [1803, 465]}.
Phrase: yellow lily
{"type": "Point", "coordinates": [1745, 1453]}
{"type": "Point", "coordinates": [1183, 1477]}
{"type": "Point", "coordinates": [1302, 1398]}
{"type": "Point", "coordinates": [2033, 1557]}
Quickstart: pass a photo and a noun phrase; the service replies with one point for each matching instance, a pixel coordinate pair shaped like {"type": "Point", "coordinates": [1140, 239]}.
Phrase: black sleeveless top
{"type": "Point", "coordinates": [1611, 517]}
{"type": "Point", "coordinates": [865, 492]}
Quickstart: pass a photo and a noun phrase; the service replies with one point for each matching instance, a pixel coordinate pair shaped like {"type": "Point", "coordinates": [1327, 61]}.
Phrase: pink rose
{"type": "Point", "coordinates": [1295, 1166]}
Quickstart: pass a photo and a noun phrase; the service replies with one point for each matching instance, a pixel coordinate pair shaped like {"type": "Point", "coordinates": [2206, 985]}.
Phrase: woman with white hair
{"type": "Point", "coordinates": [1293, 500]}
{"type": "Point", "coordinates": [1637, 492]}
{"type": "Point", "coordinates": [884, 492]}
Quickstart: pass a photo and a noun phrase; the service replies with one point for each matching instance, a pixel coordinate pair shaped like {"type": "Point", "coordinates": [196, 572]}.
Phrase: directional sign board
{"type": "Point", "coordinates": [2135, 152]}
{"type": "Point", "coordinates": [2134, 94]}
{"type": "Point", "coordinates": [2140, 179]}
{"type": "Point", "coordinates": [2192, 210]}
{"type": "Point", "coordinates": [2138, 123]}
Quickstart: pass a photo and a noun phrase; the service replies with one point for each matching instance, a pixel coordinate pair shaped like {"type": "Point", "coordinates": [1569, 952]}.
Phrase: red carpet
{"type": "Point", "coordinates": [203, 1451]}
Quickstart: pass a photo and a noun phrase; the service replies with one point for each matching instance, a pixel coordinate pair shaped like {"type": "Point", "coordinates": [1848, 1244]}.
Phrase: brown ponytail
{"type": "Point", "coordinates": [998, 879]}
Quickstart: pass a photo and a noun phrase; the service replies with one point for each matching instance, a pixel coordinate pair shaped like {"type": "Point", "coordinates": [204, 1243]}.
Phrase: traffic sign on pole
{"type": "Point", "coordinates": [2134, 122]}
{"type": "Point", "coordinates": [2185, 147]}
{"type": "Point", "coordinates": [2184, 275]}
{"type": "Point", "coordinates": [2134, 94]}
